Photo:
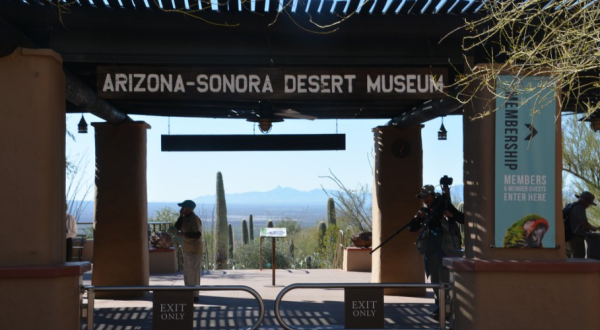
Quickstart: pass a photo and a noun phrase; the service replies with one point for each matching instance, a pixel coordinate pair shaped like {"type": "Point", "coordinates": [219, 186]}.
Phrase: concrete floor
{"type": "Point", "coordinates": [301, 308]}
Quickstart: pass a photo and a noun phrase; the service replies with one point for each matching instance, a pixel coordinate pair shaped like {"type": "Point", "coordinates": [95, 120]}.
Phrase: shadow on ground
{"type": "Point", "coordinates": [240, 313]}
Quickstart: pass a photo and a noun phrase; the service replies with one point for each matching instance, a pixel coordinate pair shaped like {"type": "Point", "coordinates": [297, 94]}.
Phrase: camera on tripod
{"type": "Point", "coordinates": [441, 204]}
{"type": "Point", "coordinates": [446, 181]}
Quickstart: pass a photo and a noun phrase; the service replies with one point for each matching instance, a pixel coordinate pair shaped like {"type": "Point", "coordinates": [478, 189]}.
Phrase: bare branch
{"type": "Point", "coordinates": [530, 38]}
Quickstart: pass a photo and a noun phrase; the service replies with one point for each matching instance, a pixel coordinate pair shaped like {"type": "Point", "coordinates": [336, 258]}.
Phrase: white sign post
{"type": "Point", "coordinates": [273, 233]}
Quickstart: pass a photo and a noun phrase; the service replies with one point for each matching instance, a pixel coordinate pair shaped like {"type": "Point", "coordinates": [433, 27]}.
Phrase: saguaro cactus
{"type": "Point", "coordinates": [244, 232]}
{"type": "Point", "coordinates": [331, 219]}
{"type": "Point", "coordinates": [251, 223]}
{"type": "Point", "coordinates": [230, 242]}
{"type": "Point", "coordinates": [221, 226]}
{"type": "Point", "coordinates": [322, 229]}
{"type": "Point", "coordinates": [292, 249]}
{"type": "Point", "coordinates": [269, 224]}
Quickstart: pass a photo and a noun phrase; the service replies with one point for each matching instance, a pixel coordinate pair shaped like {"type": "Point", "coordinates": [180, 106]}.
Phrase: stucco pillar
{"type": "Point", "coordinates": [501, 288]}
{"type": "Point", "coordinates": [32, 154]}
{"type": "Point", "coordinates": [398, 178]}
{"type": "Point", "coordinates": [121, 208]}
{"type": "Point", "coordinates": [39, 290]}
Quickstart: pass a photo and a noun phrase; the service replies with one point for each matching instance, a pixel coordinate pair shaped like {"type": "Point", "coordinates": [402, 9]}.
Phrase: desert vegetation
{"type": "Point", "coordinates": [236, 245]}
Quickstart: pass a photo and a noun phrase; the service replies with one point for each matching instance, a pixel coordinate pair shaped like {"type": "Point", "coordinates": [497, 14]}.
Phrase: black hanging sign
{"type": "Point", "coordinates": [270, 142]}
{"type": "Point", "coordinates": [173, 310]}
{"type": "Point", "coordinates": [316, 83]}
{"type": "Point", "coordinates": [363, 308]}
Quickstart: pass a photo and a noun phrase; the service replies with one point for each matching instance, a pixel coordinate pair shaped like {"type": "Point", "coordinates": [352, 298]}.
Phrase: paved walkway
{"type": "Point", "coordinates": [229, 310]}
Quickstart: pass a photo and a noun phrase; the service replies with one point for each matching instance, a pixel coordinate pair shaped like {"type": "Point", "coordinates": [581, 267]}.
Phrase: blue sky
{"type": "Point", "coordinates": [175, 176]}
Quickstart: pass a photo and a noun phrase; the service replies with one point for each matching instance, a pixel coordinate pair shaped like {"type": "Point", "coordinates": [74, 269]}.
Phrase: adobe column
{"type": "Point", "coordinates": [121, 208]}
{"type": "Point", "coordinates": [39, 290]}
{"type": "Point", "coordinates": [398, 178]}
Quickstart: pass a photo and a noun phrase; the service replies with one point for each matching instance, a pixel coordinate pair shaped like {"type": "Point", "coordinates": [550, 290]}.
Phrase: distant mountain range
{"type": "Point", "coordinates": [278, 203]}
{"type": "Point", "coordinates": [289, 196]}
{"type": "Point", "coordinates": [279, 195]}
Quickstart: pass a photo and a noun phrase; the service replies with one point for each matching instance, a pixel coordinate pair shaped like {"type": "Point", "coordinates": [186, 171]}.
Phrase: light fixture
{"type": "Point", "coordinates": [82, 126]}
{"type": "Point", "coordinates": [442, 133]}
{"type": "Point", "coordinates": [265, 123]}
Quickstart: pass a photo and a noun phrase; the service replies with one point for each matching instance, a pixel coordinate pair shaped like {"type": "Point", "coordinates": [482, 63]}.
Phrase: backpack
{"type": "Point", "coordinates": [565, 213]}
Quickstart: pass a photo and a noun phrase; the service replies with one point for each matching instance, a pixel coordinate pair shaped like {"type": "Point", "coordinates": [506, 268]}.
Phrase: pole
{"type": "Point", "coordinates": [260, 254]}
{"type": "Point", "coordinates": [273, 261]}
{"type": "Point", "coordinates": [389, 238]}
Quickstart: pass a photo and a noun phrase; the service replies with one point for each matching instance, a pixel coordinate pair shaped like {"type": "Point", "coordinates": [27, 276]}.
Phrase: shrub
{"type": "Point", "coordinates": [248, 257]}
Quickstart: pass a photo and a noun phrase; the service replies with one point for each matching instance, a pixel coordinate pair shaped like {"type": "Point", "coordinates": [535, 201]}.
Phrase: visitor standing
{"type": "Point", "coordinates": [580, 225]}
{"type": "Point", "coordinates": [189, 229]}
{"type": "Point", "coordinates": [438, 220]}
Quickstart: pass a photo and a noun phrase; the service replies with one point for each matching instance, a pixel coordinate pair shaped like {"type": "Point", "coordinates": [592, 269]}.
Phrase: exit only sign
{"type": "Point", "coordinates": [363, 308]}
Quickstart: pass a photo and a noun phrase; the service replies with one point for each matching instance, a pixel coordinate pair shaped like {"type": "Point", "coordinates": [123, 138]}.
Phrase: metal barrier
{"type": "Point", "coordinates": [441, 286]}
{"type": "Point", "coordinates": [88, 310]}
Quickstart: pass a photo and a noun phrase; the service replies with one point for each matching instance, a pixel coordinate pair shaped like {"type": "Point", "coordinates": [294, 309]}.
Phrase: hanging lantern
{"type": "Point", "coordinates": [82, 126]}
{"type": "Point", "coordinates": [442, 133]}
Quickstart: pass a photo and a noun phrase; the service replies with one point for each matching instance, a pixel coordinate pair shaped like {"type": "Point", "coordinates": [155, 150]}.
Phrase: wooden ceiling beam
{"type": "Point", "coordinates": [232, 22]}
{"type": "Point", "coordinates": [428, 110]}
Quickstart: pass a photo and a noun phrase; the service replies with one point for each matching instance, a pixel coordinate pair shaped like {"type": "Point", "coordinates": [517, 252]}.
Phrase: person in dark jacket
{"type": "Point", "coordinates": [438, 220]}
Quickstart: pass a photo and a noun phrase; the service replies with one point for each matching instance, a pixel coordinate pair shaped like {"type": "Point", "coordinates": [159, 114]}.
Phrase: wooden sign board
{"type": "Point", "coordinates": [261, 83]}
{"type": "Point", "coordinates": [273, 232]}
{"type": "Point", "coordinates": [363, 308]}
{"type": "Point", "coordinates": [173, 310]}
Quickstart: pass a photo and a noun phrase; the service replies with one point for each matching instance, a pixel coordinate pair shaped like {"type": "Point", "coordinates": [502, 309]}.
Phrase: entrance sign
{"type": "Point", "coordinates": [363, 308]}
{"type": "Point", "coordinates": [271, 83]}
{"type": "Point", "coordinates": [525, 168]}
{"type": "Point", "coordinates": [173, 310]}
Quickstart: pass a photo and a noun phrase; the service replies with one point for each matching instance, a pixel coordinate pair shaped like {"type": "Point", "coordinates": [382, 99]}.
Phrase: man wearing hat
{"type": "Point", "coordinates": [580, 225]}
{"type": "Point", "coordinates": [189, 228]}
{"type": "Point", "coordinates": [438, 218]}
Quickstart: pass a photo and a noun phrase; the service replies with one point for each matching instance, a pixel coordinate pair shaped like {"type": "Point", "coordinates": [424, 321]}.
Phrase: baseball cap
{"type": "Point", "coordinates": [188, 203]}
{"type": "Point", "coordinates": [426, 190]}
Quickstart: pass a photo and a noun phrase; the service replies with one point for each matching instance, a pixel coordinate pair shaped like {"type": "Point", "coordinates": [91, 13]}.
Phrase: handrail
{"type": "Point", "coordinates": [152, 225]}
{"type": "Point", "coordinates": [91, 290]}
{"type": "Point", "coordinates": [149, 222]}
{"type": "Point", "coordinates": [162, 226]}
{"type": "Point", "coordinates": [441, 286]}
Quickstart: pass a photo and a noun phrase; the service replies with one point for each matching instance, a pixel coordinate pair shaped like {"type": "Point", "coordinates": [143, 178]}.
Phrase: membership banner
{"type": "Point", "coordinates": [525, 168]}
